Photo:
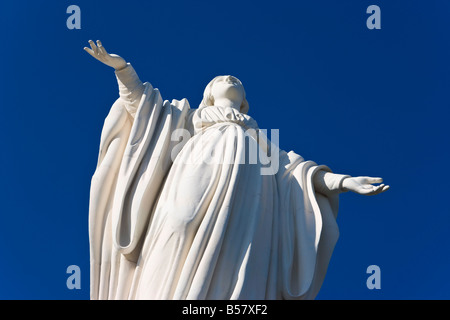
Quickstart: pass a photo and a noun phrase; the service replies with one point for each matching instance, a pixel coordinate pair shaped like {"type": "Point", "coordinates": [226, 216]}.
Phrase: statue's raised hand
{"type": "Point", "coordinates": [99, 53]}
{"type": "Point", "coordinates": [364, 185]}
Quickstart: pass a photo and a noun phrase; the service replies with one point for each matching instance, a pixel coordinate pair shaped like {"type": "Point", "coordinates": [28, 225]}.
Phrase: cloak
{"type": "Point", "coordinates": [166, 224]}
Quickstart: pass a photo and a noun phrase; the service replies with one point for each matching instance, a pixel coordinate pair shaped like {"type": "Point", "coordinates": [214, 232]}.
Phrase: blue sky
{"type": "Point", "coordinates": [363, 102]}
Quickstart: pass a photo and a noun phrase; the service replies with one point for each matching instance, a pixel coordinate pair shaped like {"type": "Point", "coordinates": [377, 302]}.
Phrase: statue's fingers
{"type": "Point", "coordinates": [380, 189]}
{"type": "Point", "coordinates": [373, 180]}
{"type": "Point", "coordinates": [101, 48]}
{"type": "Point", "coordinates": [369, 189]}
{"type": "Point", "coordinates": [89, 51]}
{"type": "Point", "coordinates": [93, 46]}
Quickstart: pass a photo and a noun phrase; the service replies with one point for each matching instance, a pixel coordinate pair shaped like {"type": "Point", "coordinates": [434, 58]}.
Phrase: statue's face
{"type": "Point", "coordinates": [228, 87]}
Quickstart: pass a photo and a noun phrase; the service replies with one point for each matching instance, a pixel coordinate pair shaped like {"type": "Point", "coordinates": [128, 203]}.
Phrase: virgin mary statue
{"type": "Point", "coordinates": [164, 223]}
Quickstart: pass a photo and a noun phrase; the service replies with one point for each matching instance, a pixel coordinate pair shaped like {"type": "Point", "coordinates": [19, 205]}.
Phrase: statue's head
{"type": "Point", "coordinates": [225, 87]}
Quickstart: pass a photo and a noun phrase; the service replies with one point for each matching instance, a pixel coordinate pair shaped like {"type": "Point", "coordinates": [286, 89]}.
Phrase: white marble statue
{"type": "Point", "coordinates": [164, 224]}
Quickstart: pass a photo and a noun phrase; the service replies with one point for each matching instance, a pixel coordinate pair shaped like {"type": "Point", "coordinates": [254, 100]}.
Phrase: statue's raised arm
{"type": "Point", "coordinates": [131, 87]}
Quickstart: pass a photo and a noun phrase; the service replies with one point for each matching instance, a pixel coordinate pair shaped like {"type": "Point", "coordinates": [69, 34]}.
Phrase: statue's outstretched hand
{"type": "Point", "coordinates": [363, 185]}
{"type": "Point", "coordinates": [99, 53]}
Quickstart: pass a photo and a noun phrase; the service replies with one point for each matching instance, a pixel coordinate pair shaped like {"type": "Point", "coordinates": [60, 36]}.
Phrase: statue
{"type": "Point", "coordinates": [164, 224]}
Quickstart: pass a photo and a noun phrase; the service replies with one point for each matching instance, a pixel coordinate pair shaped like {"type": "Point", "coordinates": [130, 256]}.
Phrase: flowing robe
{"type": "Point", "coordinates": [166, 224]}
